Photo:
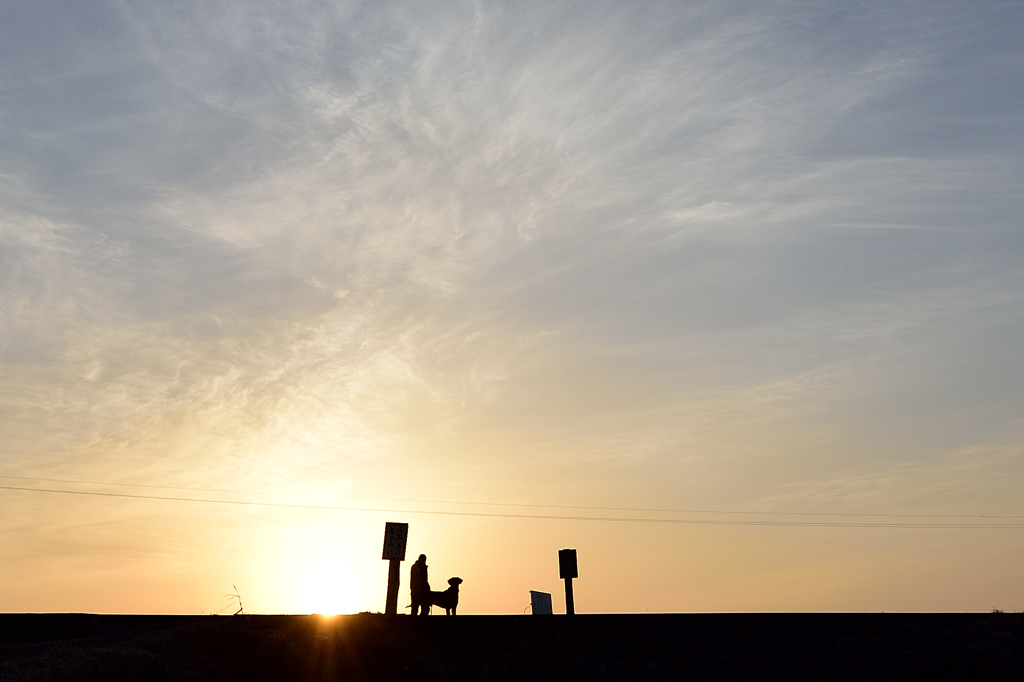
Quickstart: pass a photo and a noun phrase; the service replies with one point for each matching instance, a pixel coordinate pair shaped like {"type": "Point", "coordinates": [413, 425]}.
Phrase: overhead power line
{"type": "Point", "coordinates": [157, 487]}
{"type": "Point", "coordinates": [556, 517]}
{"type": "Point", "coordinates": [533, 505]}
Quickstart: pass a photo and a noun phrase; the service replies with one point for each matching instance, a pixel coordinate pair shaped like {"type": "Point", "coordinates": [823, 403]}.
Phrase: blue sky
{"type": "Point", "coordinates": [754, 257]}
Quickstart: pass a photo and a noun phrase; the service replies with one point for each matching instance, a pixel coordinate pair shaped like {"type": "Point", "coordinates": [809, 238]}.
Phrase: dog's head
{"type": "Point", "coordinates": [454, 582]}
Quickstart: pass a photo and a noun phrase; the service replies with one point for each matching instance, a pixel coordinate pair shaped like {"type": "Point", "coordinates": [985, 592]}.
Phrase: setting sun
{"type": "Point", "coordinates": [326, 588]}
{"type": "Point", "coordinates": [317, 567]}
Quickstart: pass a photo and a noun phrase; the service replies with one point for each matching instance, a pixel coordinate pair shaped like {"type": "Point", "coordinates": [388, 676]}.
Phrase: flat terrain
{"type": "Point", "coordinates": [584, 647]}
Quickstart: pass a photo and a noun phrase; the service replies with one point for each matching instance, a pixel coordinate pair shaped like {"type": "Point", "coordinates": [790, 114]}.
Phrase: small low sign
{"type": "Point", "coordinates": [396, 535]}
{"type": "Point", "coordinates": [540, 603]}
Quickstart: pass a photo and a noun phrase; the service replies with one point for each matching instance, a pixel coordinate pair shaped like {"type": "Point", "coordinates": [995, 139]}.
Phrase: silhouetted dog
{"type": "Point", "coordinates": [447, 600]}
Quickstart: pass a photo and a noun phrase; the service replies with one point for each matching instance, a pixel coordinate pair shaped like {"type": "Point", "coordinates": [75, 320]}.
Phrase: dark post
{"type": "Point", "coordinates": [396, 536]}
{"type": "Point", "coordinates": [394, 582]}
{"type": "Point", "coordinates": [567, 570]}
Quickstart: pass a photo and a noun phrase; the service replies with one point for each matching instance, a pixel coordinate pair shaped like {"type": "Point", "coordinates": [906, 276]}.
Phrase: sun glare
{"type": "Point", "coordinates": [316, 568]}
{"type": "Point", "coordinates": [327, 588]}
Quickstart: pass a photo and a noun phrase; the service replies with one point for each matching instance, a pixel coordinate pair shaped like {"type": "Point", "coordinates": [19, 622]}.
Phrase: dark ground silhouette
{"type": "Point", "coordinates": [586, 647]}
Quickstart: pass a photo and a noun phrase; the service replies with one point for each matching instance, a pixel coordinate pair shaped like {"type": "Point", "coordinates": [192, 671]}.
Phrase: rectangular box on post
{"type": "Point", "coordinates": [567, 570]}
{"type": "Point", "coordinates": [567, 566]}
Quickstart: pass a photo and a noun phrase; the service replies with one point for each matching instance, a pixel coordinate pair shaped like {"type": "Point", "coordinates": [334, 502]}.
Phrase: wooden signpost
{"type": "Point", "coordinates": [396, 536]}
{"type": "Point", "coordinates": [567, 570]}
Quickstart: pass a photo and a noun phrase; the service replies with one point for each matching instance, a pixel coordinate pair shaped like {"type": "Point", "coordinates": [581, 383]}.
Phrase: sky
{"type": "Point", "coordinates": [730, 293]}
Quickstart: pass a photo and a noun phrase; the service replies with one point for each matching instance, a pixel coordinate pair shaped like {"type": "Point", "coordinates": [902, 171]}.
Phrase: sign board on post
{"type": "Point", "coordinates": [396, 535]}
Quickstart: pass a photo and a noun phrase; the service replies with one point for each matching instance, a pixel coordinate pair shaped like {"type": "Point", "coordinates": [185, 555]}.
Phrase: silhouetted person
{"type": "Point", "coordinates": [419, 587]}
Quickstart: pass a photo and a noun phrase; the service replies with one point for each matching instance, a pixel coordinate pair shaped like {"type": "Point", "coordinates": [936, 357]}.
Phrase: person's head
{"type": "Point", "coordinates": [423, 558]}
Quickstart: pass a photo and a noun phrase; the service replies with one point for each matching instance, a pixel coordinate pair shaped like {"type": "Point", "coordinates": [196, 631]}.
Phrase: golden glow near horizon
{"type": "Point", "coordinates": [754, 271]}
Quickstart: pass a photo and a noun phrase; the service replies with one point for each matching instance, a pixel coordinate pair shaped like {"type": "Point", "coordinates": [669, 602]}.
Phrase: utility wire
{"type": "Point", "coordinates": [708, 522]}
{"type": "Point", "coordinates": [533, 506]}
{"type": "Point", "coordinates": [143, 485]}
